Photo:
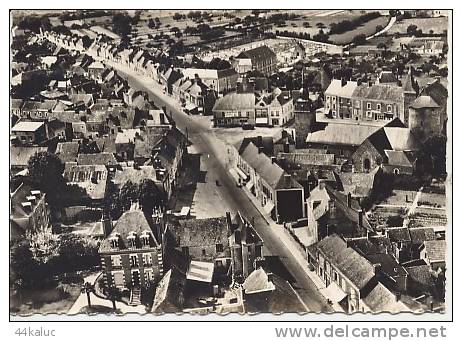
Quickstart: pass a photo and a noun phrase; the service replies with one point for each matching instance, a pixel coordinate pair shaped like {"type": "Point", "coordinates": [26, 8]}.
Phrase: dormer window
{"type": "Point", "coordinates": [144, 238]}
{"type": "Point", "coordinates": [114, 241]}
{"type": "Point", "coordinates": [369, 105]}
{"type": "Point", "coordinates": [132, 240]}
{"type": "Point", "coordinates": [389, 108]}
{"type": "Point", "coordinates": [379, 106]}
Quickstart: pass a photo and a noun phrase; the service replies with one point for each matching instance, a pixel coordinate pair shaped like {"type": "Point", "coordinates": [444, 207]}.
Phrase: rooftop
{"type": "Point", "coordinates": [26, 126]}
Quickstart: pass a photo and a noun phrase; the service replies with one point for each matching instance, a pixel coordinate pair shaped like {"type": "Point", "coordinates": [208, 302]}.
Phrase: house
{"type": "Point", "coordinates": [278, 193]}
{"type": "Point", "coordinates": [169, 297]}
{"type": "Point", "coordinates": [263, 59]}
{"type": "Point", "coordinates": [29, 211]}
{"type": "Point", "coordinates": [245, 245]}
{"type": "Point", "coordinates": [67, 151]}
{"type": "Point", "coordinates": [105, 159]}
{"type": "Point", "coordinates": [28, 133]}
{"type": "Point", "coordinates": [265, 292]}
{"type": "Point", "coordinates": [381, 300]}
{"type": "Point", "coordinates": [392, 147]}
{"type": "Point", "coordinates": [348, 276]}
{"type": "Point", "coordinates": [125, 144]}
{"type": "Point", "coordinates": [369, 102]}
{"type": "Point", "coordinates": [428, 112]}
{"type": "Point", "coordinates": [234, 109]}
{"type": "Point", "coordinates": [220, 81]}
{"type": "Point", "coordinates": [242, 65]}
{"type": "Point", "coordinates": [281, 108]}
{"type": "Point", "coordinates": [426, 47]}
{"type": "Point", "coordinates": [319, 206]}
{"type": "Point", "coordinates": [90, 182]}
{"type": "Point", "coordinates": [36, 109]}
{"type": "Point", "coordinates": [434, 253]}
{"type": "Point", "coordinates": [131, 254]}
{"type": "Point", "coordinates": [168, 78]}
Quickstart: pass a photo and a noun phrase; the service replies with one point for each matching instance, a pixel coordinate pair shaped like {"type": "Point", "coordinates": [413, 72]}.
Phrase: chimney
{"type": "Point", "coordinates": [260, 150]}
{"type": "Point", "coordinates": [228, 221]}
{"type": "Point", "coordinates": [359, 82]}
{"type": "Point", "coordinates": [273, 159]}
{"type": "Point", "coordinates": [259, 141]}
{"type": "Point", "coordinates": [369, 84]}
{"type": "Point", "coordinates": [360, 218]}
{"type": "Point", "coordinates": [343, 81]}
{"type": "Point", "coordinates": [321, 183]}
{"type": "Point", "coordinates": [349, 199]}
{"type": "Point", "coordinates": [270, 277]}
{"type": "Point", "coordinates": [106, 223]}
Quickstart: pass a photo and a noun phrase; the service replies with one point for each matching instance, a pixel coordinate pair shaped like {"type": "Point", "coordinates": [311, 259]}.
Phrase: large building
{"type": "Point", "coordinates": [263, 59]}
{"type": "Point", "coordinates": [351, 100]}
{"type": "Point", "coordinates": [131, 254]}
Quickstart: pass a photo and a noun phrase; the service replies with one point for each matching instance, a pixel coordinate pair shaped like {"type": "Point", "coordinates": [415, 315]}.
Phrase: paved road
{"type": "Point", "coordinates": [206, 143]}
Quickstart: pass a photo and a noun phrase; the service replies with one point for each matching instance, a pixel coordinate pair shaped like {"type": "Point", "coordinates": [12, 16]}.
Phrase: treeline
{"type": "Point", "coordinates": [299, 35]}
{"type": "Point", "coordinates": [348, 25]}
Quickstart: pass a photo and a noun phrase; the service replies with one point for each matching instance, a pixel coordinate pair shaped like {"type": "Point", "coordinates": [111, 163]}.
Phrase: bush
{"type": "Point", "coordinates": [395, 221]}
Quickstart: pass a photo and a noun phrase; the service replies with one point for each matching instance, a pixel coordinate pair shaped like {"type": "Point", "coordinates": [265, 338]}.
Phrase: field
{"type": "Point", "coordinates": [437, 25]}
{"type": "Point", "coordinates": [328, 17]}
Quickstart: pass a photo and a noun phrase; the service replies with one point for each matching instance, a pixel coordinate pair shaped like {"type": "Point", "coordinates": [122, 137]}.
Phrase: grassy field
{"type": "Point", "coordinates": [437, 25]}
{"type": "Point", "coordinates": [327, 18]}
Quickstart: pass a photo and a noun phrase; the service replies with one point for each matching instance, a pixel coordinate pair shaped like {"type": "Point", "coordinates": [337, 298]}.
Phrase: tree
{"type": "Point", "coordinates": [149, 196]}
{"type": "Point", "coordinates": [434, 155]}
{"type": "Point", "coordinates": [22, 263]}
{"type": "Point", "coordinates": [45, 171]}
{"type": "Point", "coordinates": [122, 24]}
{"type": "Point", "coordinates": [411, 30]}
{"type": "Point", "coordinates": [129, 193]}
{"type": "Point", "coordinates": [359, 39]}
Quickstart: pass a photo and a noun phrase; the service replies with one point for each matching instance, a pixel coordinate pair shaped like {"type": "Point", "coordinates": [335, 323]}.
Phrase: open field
{"type": "Point", "coordinates": [328, 18]}
{"type": "Point", "coordinates": [437, 25]}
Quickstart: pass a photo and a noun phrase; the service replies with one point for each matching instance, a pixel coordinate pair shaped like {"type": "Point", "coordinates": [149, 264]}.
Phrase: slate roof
{"type": "Point", "coordinates": [258, 281]}
{"type": "Point", "coordinates": [436, 250]}
{"type": "Point", "coordinates": [17, 198]}
{"type": "Point", "coordinates": [131, 221]}
{"type": "Point", "coordinates": [335, 88]}
{"type": "Point", "coordinates": [399, 234]}
{"type": "Point", "coordinates": [135, 175]}
{"type": "Point", "coordinates": [394, 138]}
{"type": "Point", "coordinates": [200, 232]}
{"type": "Point", "coordinates": [342, 134]}
{"type": "Point", "coordinates": [235, 101]}
{"type": "Point", "coordinates": [397, 158]}
{"type": "Point", "coordinates": [91, 178]}
{"type": "Point", "coordinates": [106, 159]}
{"type": "Point", "coordinates": [145, 143]}
{"type": "Point", "coordinates": [358, 184]}
{"type": "Point", "coordinates": [421, 274]}
{"type": "Point", "coordinates": [169, 297]}
{"type": "Point", "coordinates": [272, 173]}
{"type": "Point", "coordinates": [421, 234]}
{"type": "Point", "coordinates": [380, 299]}
{"type": "Point", "coordinates": [67, 151]}
{"type": "Point", "coordinates": [379, 92]}
{"type": "Point", "coordinates": [424, 102]}
{"type": "Point", "coordinates": [258, 53]}
{"type": "Point", "coordinates": [348, 261]}
{"type": "Point", "coordinates": [266, 142]}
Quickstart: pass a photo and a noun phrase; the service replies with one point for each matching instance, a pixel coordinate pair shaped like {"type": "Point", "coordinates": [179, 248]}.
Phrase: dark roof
{"type": "Point", "coordinates": [258, 53]}
{"type": "Point", "coordinates": [199, 232]}
{"type": "Point", "coordinates": [437, 91]}
{"type": "Point", "coordinates": [131, 221]}
{"type": "Point", "coordinates": [421, 234]}
{"type": "Point", "coordinates": [106, 159]}
{"type": "Point", "coordinates": [169, 297]}
{"type": "Point", "coordinates": [372, 245]}
{"type": "Point", "coordinates": [388, 264]}
{"type": "Point", "coordinates": [265, 142]}
{"type": "Point", "coordinates": [67, 151]}
{"type": "Point", "coordinates": [399, 234]}
{"type": "Point", "coordinates": [347, 260]}
{"type": "Point", "coordinates": [421, 274]}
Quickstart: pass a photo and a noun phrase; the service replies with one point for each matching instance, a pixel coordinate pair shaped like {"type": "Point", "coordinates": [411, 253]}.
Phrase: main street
{"type": "Point", "coordinates": [205, 142]}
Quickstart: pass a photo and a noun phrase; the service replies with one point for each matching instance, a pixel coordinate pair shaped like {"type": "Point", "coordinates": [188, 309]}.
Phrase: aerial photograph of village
{"type": "Point", "coordinates": [229, 161]}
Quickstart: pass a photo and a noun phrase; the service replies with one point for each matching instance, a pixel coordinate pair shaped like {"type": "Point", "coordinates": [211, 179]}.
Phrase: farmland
{"type": "Point", "coordinates": [437, 25]}
{"type": "Point", "coordinates": [324, 20]}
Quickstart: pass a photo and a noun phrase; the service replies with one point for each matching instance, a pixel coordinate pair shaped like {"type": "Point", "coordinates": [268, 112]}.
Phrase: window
{"type": "Point", "coordinates": [327, 98]}
{"type": "Point", "coordinates": [203, 252]}
{"type": "Point", "coordinates": [379, 106]}
{"type": "Point", "coordinates": [369, 105]}
{"type": "Point", "coordinates": [134, 260]}
{"type": "Point", "coordinates": [396, 171]}
{"type": "Point", "coordinates": [336, 277]}
{"type": "Point", "coordinates": [389, 108]}
{"type": "Point", "coordinates": [219, 248]}
{"type": "Point", "coordinates": [116, 261]}
{"type": "Point", "coordinates": [185, 250]}
{"type": "Point", "coordinates": [147, 259]}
